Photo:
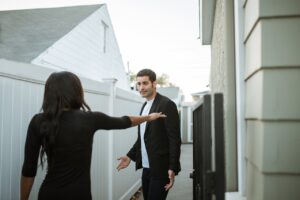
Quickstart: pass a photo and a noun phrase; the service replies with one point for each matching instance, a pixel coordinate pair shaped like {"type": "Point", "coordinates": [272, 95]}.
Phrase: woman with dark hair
{"type": "Point", "coordinates": [64, 132]}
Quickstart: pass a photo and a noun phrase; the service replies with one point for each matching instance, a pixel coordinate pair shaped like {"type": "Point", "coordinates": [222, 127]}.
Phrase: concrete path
{"type": "Point", "coordinates": [183, 187]}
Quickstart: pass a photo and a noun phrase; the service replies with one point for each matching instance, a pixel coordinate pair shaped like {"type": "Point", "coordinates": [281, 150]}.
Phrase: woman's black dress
{"type": "Point", "coordinates": [69, 176]}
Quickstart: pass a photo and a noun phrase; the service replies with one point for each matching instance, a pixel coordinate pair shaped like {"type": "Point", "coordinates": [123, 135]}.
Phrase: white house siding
{"type": "Point", "coordinates": [82, 51]}
{"type": "Point", "coordinates": [272, 30]}
{"type": "Point", "coordinates": [21, 89]}
{"type": "Point", "coordinates": [222, 79]}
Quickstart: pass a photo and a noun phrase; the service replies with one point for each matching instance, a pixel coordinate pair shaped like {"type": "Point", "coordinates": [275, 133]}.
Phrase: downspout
{"type": "Point", "coordinates": [240, 94]}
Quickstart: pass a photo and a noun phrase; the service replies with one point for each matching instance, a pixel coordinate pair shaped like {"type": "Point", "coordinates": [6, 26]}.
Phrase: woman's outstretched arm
{"type": "Point", "coordinates": [136, 120]}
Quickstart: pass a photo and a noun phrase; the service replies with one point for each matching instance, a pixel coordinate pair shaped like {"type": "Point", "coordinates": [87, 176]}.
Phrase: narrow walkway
{"type": "Point", "coordinates": [183, 187]}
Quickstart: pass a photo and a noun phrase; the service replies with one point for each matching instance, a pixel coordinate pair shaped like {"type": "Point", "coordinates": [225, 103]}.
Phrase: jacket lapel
{"type": "Point", "coordinates": [152, 109]}
{"type": "Point", "coordinates": [143, 106]}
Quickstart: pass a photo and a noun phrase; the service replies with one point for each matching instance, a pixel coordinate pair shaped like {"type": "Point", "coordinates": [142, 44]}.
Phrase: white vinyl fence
{"type": "Point", "coordinates": [21, 95]}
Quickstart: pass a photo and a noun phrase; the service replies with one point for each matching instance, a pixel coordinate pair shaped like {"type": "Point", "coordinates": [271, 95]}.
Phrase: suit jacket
{"type": "Point", "coordinates": [162, 139]}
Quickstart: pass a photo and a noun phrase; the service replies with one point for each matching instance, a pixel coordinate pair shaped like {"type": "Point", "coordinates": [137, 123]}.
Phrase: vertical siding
{"type": "Point", "coordinates": [125, 182]}
{"type": "Point", "coordinates": [184, 123]}
{"type": "Point", "coordinates": [19, 101]}
{"type": "Point", "coordinates": [21, 98]}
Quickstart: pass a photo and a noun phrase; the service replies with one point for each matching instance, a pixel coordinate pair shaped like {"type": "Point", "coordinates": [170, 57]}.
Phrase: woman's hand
{"type": "Point", "coordinates": [154, 116]}
{"type": "Point", "coordinates": [136, 120]}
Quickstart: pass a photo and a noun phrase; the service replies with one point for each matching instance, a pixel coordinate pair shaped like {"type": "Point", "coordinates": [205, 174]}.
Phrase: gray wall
{"type": "Point", "coordinates": [222, 79]}
{"type": "Point", "coordinates": [272, 76]}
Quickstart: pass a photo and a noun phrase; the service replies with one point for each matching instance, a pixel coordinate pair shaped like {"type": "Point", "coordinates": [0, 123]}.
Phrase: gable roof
{"type": "Point", "coordinates": [21, 40]}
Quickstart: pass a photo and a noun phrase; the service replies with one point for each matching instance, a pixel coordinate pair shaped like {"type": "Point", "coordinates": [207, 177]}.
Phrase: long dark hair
{"type": "Point", "coordinates": [63, 91]}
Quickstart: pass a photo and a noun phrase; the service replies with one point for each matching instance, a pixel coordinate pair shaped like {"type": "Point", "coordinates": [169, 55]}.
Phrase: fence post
{"type": "Point", "coordinates": [112, 96]}
{"type": "Point", "coordinates": [206, 149]}
{"type": "Point", "coordinates": [219, 148]}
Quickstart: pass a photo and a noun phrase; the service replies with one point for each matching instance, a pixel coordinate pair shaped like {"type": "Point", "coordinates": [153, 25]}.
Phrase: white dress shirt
{"type": "Point", "coordinates": [146, 110]}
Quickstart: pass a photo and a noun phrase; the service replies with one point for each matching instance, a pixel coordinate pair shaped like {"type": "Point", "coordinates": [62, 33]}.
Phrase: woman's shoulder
{"type": "Point", "coordinates": [38, 117]}
{"type": "Point", "coordinates": [88, 114]}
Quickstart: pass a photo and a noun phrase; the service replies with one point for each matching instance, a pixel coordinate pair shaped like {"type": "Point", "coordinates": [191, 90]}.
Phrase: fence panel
{"type": "Point", "coordinates": [208, 182]}
{"type": "Point", "coordinates": [21, 90]}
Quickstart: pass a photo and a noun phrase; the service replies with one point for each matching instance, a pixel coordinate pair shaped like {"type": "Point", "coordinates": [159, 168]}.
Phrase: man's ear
{"type": "Point", "coordinates": [154, 84]}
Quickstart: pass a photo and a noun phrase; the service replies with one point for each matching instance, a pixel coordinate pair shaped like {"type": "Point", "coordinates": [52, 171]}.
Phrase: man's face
{"type": "Point", "coordinates": [146, 88]}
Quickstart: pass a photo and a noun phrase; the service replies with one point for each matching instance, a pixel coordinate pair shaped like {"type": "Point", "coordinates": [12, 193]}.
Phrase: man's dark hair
{"type": "Point", "coordinates": [147, 72]}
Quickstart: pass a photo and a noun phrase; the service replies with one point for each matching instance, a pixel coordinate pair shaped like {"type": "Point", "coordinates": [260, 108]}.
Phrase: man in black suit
{"type": "Point", "coordinates": [157, 149]}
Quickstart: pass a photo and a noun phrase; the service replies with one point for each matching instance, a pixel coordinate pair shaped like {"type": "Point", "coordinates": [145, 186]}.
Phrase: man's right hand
{"type": "Point", "coordinates": [124, 162]}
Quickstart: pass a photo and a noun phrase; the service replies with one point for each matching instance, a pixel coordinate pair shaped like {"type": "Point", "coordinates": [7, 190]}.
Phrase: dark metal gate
{"type": "Point", "coordinates": [206, 182]}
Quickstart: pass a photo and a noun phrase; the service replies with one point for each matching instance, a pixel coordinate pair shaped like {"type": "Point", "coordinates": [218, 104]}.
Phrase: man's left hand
{"type": "Point", "coordinates": [172, 179]}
